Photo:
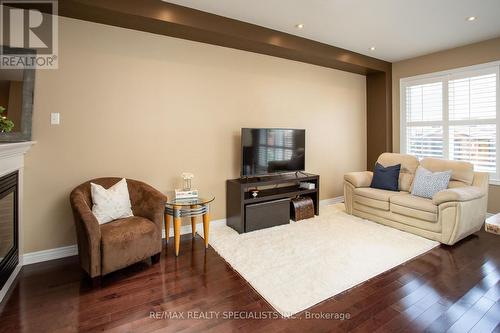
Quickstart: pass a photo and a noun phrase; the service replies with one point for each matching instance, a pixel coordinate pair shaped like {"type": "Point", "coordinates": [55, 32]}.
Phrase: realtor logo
{"type": "Point", "coordinates": [29, 34]}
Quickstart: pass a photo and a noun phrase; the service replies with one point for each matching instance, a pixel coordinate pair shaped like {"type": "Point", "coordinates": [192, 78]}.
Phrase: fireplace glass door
{"type": "Point", "coordinates": [6, 225]}
{"type": "Point", "coordinates": [9, 256]}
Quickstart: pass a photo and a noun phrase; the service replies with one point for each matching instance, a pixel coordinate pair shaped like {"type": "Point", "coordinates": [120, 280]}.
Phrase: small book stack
{"type": "Point", "coordinates": [186, 194]}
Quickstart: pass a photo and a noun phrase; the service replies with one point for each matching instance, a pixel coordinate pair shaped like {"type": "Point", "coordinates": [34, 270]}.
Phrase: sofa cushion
{"type": "Point", "coordinates": [386, 178]}
{"type": "Point", "coordinates": [127, 241]}
{"type": "Point", "coordinates": [373, 197]}
{"type": "Point", "coordinates": [414, 213]}
{"type": "Point", "coordinates": [411, 201]}
{"type": "Point", "coordinates": [413, 206]}
{"type": "Point", "coordinates": [461, 171]}
{"type": "Point", "coordinates": [427, 183]}
{"type": "Point", "coordinates": [408, 163]}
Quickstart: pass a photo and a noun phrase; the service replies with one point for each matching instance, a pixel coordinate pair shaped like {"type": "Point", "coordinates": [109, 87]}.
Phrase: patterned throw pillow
{"type": "Point", "coordinates": [426, 183]}
{"type": "Point", "coordinates": [111, 204]}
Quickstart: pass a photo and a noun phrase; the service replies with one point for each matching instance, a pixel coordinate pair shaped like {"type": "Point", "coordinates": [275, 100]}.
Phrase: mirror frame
{"type": "Point", "coordinates": [27, 104]}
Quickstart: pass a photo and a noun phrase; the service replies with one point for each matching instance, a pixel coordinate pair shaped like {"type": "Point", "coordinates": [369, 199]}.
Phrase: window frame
{"type": "Point", "coordinates": [444, 77]}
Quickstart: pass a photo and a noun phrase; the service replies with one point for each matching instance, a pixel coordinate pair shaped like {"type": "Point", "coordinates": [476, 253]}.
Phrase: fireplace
{"type": "Point", "coordinates": [9, 225]}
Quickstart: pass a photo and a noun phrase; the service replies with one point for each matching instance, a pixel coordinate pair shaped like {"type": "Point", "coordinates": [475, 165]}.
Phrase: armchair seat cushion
{"type": "Point", "coordinates": [127, 241]}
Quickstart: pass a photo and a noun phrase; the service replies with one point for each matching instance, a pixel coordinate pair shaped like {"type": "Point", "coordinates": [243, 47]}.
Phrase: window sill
{"type": "Point", "coordinates": [495, 182]}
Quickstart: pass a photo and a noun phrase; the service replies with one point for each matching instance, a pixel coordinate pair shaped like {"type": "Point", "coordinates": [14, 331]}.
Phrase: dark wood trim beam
{"type": "Point", "coordinates": [378, 115]}
{"type": "Point", "coordinates": [168, 19]}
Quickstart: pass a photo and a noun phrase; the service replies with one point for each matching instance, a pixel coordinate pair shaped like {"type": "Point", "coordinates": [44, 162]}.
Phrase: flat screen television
{"type": "Point", "coordinates": [268, 151]}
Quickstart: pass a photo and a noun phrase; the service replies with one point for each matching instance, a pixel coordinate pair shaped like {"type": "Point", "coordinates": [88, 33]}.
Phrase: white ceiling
{"type": "Point", "coordinates": [399, 29]}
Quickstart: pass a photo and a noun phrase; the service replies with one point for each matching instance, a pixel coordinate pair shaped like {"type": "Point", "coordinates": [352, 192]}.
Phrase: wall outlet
{"type": "Point", "coordinates": [55, 118]}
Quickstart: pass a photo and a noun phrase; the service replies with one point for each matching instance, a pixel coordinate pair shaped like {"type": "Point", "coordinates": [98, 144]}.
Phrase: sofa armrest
{"type": "Point", "coordinates": [460, 194]}
{"type": "Point", "coordinates": [359, 179]}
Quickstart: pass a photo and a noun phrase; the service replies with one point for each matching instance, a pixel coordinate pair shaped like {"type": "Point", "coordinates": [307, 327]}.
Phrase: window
{"type": "Point", "coordinates": [453, 115]}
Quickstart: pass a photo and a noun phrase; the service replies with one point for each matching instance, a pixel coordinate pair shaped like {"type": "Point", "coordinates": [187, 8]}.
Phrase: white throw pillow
{"type": "Point", "coordinates": [111, 204]}
{"type": "Point", "coordinates": [427, 183]}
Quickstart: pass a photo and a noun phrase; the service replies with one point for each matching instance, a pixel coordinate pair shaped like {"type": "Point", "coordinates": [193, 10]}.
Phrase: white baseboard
{"type": "Point", "coordinates": [72, 250]}
{"type": "Point", "coordinates": [51, 254]}
{"type": "Point", "coordinates": [331, 201]}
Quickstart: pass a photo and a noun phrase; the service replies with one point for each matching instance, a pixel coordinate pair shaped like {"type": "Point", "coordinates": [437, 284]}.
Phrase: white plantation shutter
{"type": "Point", "coordinates": [453, 115]}
{"type": "Point", "coordinates": [424, 102]}
{"type": "Point", "coordinates": [425, 141]}
{"type": "Point", "coordinates": [473, 97]}
{"type": "Point", "coordinates": [476, 144]}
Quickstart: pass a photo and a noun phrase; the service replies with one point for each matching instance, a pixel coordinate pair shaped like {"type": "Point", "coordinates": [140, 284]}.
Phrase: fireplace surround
{"type": "Point", "coordinates": [9, 225]}
{"type": "Point", "coordinates": [11, 213]}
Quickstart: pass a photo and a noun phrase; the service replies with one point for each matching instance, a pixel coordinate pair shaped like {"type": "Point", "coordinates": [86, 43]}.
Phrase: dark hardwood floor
{"type": "Point", "coordinates": [454, 289]}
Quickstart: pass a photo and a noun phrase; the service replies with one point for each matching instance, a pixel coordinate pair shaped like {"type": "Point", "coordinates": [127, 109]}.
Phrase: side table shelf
{"type": "Point", "coordinates": [176, 209]}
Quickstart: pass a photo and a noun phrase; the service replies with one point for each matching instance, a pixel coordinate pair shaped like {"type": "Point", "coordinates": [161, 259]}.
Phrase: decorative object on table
{"type": "Point", "coordinates": [302, 208]}
{"type": "Point", "coordinates": [255, 193]}
{"type": "Point", "coordinates": [187, 177]}
{"type": "Point", "coordinates": [307, 185]}
{"type": "Point", "coordinates": [192, 208]}
{"type": "Point", "coordinates": [493, 224]}
{"type": "Point", "coordinates": [186, 192]}
{"type": "Point", "coordinates": [6, 125]}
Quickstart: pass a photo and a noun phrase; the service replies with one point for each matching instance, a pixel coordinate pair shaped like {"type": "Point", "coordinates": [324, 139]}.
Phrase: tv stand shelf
{"type": "Point", "coordinates": [276, 193]}
{"type": "Point", "coordinates": [271, 189]}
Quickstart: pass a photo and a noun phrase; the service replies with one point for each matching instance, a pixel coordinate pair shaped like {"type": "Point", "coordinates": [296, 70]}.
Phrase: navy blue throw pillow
{"type": "Point", "coordinates": [386, 178]}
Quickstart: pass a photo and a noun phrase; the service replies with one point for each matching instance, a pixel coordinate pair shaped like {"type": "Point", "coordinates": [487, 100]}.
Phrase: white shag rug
{"type": "Point", "coordinates": [298, 265]}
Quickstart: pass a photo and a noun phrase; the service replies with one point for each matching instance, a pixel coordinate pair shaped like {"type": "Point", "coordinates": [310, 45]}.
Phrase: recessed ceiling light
{"type": "Point", "coordinates": [471, 18]}
{"type": "Point", "coordinates": [299, 26]}
{"type": "Point", "coordinates": [372, 48]}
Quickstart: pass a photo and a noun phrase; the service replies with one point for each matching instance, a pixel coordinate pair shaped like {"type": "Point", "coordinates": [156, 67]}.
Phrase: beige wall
{"type": "Point", "coordinates": [148, 107]}
{"type": "Point", "coordinates": [473, 54]}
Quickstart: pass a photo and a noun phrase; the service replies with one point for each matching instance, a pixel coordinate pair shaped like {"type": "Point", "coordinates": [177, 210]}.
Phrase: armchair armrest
{"type": "Point", "coordinates": [88, 233]}
{"type": "Point", "coordinates": [359, 179]}
{"type": "Point", "coordinates": [466, 193]}
{"type": "Point", "coordinates": [147, 201]}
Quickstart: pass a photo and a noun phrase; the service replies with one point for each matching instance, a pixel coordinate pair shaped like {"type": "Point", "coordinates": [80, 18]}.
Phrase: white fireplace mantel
{"type": "Point", "coordinates": [12, 159]}
{"type": "Point", "coordinates": [12, 156]}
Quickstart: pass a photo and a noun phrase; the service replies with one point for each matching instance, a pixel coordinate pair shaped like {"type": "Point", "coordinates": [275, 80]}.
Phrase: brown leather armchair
{"type": "Point", "coordinates": [111, 246]}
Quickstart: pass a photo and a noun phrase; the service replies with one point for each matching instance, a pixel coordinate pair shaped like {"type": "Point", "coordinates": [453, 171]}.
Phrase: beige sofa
{"type": "Point", "coordinates": [448, 217]}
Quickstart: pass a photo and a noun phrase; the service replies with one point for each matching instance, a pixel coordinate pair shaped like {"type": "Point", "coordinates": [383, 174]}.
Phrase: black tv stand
{"type": "Point", "coordinates": [271, 206]}
{"type": "Point", "coordinates": [301, 173]}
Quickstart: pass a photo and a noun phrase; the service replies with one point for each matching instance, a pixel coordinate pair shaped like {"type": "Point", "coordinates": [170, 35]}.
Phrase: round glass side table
{"type": "Point", "coordinates": [179, 208]}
